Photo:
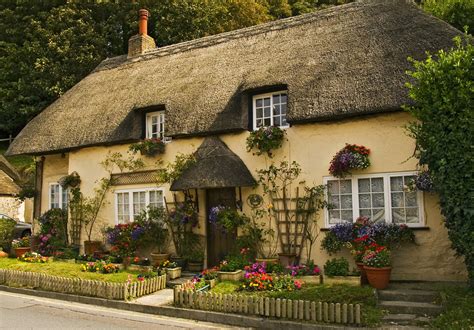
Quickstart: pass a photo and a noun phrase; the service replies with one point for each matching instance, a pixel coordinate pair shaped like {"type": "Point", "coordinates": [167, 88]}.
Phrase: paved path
{"type": "Point", "coordinates": [26, 312]}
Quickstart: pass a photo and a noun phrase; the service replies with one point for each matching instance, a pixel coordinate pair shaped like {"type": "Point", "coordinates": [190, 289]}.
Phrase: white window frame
{"type": "Point", "coordinates": [270, 95]}
{"type": "Point", "coordinates": [60, 192]}
{"type": "Point", "coordinates": [161, 122]}
{"type": "Point", "coordinates": [387, 196]}
{"type": "Point", "coordinates": [130, 200]}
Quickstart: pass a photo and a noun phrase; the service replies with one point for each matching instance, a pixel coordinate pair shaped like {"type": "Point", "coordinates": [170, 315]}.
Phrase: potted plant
{"type": "Point", "coordinates": [307, 273]}
{"type": "Point", "coordinates": [227, 218]}
{"type": "Point", "coordinates": [350, 157]}
{"type": "Point", "coordinates": [336, 271]}
{"type": "Point", "coordinates": [172, 270]}
{"type": "Point", "coordinates": [265, 139]}
{"type": "Point", "coordinates": [195, 260]}
{"type": "Point", "coordinates": [148, 147]}
{"type": "Point", "coordinates": [21, 246]}
{"type": "Point", "coordinates": [377, 265]}
{"type": "Point", "coordinates": [210, 276]}
{"type": "Point", "coordinates": [231, 268]}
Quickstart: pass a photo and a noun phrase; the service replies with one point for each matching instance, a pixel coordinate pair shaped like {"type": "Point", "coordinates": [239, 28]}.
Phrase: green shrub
{"type": "Point", "coordinates": [442, 91]}
{"type": "Point", "coordinates": [336, 267]}
{"type": "Point", "coordinates": [6, 233]}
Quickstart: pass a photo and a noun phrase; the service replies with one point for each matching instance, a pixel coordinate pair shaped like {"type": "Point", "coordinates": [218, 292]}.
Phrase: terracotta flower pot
{"type": "Point", "coordinates": [378, 277]}
{"type": "Point", "coordinates": [158, 258]}
{"type": "Point", "coordinates": [363, 275]}
{"type": "Point", "coordinates": [21, 251]}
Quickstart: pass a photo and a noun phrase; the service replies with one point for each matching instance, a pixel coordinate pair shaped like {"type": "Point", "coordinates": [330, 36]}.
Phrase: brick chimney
{"type": "Point", "coordinates": [141, 42]}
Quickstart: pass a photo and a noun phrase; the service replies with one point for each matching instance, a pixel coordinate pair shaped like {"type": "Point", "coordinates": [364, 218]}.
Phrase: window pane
{"type": "Point", "coordinates": [396, 183]}
{"type": "Point", "coordinates": [283, 98]}
{"type": "Point", "coordinates": [64, 197]}
{"type": "Point", "coordinates": [346, 202]}
{"type": "Point", "coordinates": [397, 199]}
{"type": "Point", "coordinates": [398, 215]}
{"type": "Point", "coordinates": [259, 113]}
{"type": "Point", "coordinates": [364, 185]}
{"type": "Point", "coordinates": [410, 199]}
{"type": "Point", "coordinates": [334, 217]}
{"type": "Point", "coordinates": [365, 213]}
{"type": "Point", "coordinates": [266, 112]}
{"type": "Point", "coordinates": [377, 184]}
{"type": "Point", "coordinates": [378, 200]}
{"type": "Point", "coordinates": [283, 108]}
{"type": "Point", "coordinates": [276, 98]}
{"type": "Point", "coordinates": [333, 187]}
{"type": "Point", "coordinates": [259, 122]}
{"type": "Point", "coordinates": [276, 110]}
{"type": "Point", "coordinates": [266, 102]}
{"type": "Point", "coordinates": [346, 186]}
{"type": "Point", "coordinates": [267, 122]}
{"type": "Point", "coordinates": [258, 102]}
{"type": "Point", "coordinates": [364, 201]}
{"type": "Point", "coordinates": [378, 215]}
{"type": "Point", "coordinates": [346, 215]}
{"type": "Point", "coordinates": [334, 201]}
{"type": "Point", "coordinates": [412, 215]}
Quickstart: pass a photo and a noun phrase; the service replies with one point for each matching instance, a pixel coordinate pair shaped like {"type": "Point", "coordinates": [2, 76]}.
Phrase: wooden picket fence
{"type": "Point", "coordinates": [117, 291]}
{"type": "Point", "coordinates": [270, 307]}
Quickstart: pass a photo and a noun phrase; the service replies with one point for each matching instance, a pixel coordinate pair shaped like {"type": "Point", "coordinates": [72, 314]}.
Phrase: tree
{"type": "Point", "coordinates": [458, 13]}
{"type": "Point", "coordinates": [443, 95]}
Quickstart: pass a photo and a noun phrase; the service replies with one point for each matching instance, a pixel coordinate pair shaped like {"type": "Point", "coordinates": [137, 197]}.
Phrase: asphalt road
{"type": "Point", "coordinates": [27, 312]}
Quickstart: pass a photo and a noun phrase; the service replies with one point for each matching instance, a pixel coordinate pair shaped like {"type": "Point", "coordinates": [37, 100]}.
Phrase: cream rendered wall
{"type": "Point", "coordinates": [312, 146]}
{"type": "Point", "coordinates": [55, 167]}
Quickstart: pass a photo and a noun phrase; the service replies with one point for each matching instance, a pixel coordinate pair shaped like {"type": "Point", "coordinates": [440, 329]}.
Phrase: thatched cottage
{"type": "Point", "coordinates": [9, 189]}
{"type": "Point", "coordinates": [336, 76]}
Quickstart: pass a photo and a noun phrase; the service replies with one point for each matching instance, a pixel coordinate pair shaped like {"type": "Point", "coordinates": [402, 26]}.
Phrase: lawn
{"type": "Point", "coordinates": [459, 312]}
{"type": "Point", "coordinates": [371, 315]}
{"type": "Point", "coordinates": [65, 269]}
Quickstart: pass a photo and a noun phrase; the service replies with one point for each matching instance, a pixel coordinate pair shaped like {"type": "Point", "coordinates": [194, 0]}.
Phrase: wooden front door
{"type": "Point", "coordinates": [219, 242]}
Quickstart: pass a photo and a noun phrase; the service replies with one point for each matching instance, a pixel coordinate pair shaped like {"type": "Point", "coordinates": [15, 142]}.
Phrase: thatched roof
{"type": "Point", "coordinates": [216, 167]}
{"type": "Point", "coordinates": [343, 61]}
{"type": "Point", "coordinates": [8, 176]}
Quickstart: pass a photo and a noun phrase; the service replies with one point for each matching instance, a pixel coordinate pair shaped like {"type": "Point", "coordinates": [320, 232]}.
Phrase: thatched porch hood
{"type": "Point", "coordinates": [216, 167]}
{"type": "Point", "coordinates": [8, 176]}
{"type": "Point", "coordinates": [339, 62]}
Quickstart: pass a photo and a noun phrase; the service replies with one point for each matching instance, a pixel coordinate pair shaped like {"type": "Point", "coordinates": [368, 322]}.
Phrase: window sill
{"type": "Point", "coordinates": [413, 228]}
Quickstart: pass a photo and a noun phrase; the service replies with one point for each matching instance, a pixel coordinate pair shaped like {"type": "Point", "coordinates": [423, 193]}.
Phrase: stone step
{"type": "Point", "coordinates": [409, 307]}
{"type": "Point", "coordinates": [405, 319]}
{"type": "Point", "coordinates": [408, 295]}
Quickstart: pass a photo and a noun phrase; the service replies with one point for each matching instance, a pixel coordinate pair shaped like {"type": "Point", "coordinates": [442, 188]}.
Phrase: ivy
{"type": "Point", "coordinates": [443, 93]}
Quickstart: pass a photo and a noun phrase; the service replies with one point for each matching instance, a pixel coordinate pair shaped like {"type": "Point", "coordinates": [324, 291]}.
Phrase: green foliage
{"type": "Point", "coordinates": [234, 262]}
{"type": "Point", "coordinates": [459, 313]}
{"type": "Point", "coordinates": [331, 243]}
{"type": "Point", "coordinates": [458, 13]}
{"type": "Point", "coordinates": [6, 233]}
{"type": "Point", "coordinates": [172, 171]}
{"type": "Point", "coordinates": [443, 95]}
{"type": "Point", "coordinates": [53, 231]}
{"type": "Point", "coordinates": [265, 139]}
{"type": "Point", "coordinates": [336, 267]}
{"type": "Point", "coordinates": [48, 46]}
{"type": "Point", "coordinates": [156, 232]}
{"type": "Point", "coordinates": [149, 147]}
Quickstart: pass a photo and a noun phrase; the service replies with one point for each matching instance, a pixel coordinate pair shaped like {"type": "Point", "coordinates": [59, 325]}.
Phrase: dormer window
{"type": "Point", "coordinates": [155, 125]}
{"type": "Point", "coordinates": [270, 110]}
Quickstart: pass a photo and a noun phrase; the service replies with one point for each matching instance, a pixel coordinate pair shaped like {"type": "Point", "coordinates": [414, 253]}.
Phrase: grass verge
{"type": "Point", "coordinates": [459, 312]}
{"type": "Point", "coordinates": [59, 268]}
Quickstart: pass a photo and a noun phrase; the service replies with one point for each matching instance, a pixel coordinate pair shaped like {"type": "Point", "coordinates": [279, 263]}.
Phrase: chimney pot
{"type": "Point", "coordinates": [143, 21]}
{"type": "Point", "coordinates": [141, 43]}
